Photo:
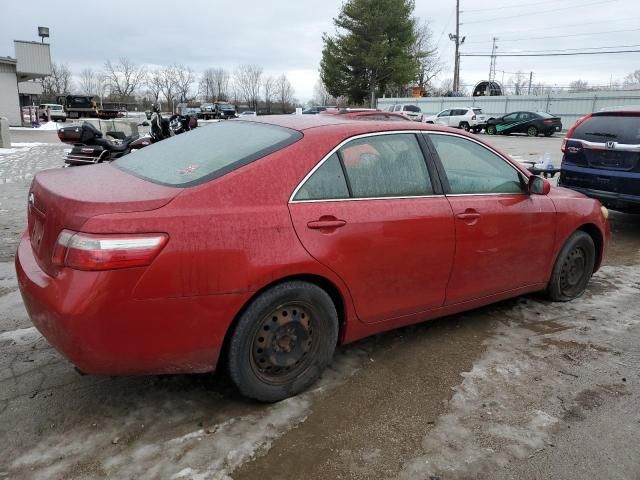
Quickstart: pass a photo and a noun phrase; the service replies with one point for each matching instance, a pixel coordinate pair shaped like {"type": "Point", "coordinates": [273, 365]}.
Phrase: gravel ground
{"type": "Point", "coordinates": [524, 389]}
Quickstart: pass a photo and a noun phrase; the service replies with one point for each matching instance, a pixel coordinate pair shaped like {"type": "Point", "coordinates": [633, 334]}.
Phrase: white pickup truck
{"type": "Point", "coordinates": [467, 118]}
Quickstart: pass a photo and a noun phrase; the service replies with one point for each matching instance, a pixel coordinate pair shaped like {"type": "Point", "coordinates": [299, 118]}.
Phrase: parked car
{"type": "Point", "coordinates": [316, 109]}
{"type": "Point", "coordinates": [531, 123]}
{"type": "Point", "coordinates": [57, 112]}
{"type": "Point", "coordinates": [411, 111]}
{"type": "Point", "coordinates": [248, 113]}
{"type": "Point", "coordinates": [467, 118]}
{"type": "Point", "coordinates": [224, 111]}
{"type": "Point", "coordinates": [367, 114]}
{"type": "Point", "coordinates": [602, 158]}
{"type": "Point", "coordinates": [256, 251]}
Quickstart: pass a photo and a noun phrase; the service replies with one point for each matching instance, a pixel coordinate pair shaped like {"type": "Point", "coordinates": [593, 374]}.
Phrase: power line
{"type": "Point", "coordinates": [544, 12]}
{"type": "Point", "coordinates": [554, 50]}
{"type": "Point", "coordinates": [546, 54]}
{"type": "Point", "coordinates": [560, 36]}
{"type": "Point", "coordinates": [509, 6]}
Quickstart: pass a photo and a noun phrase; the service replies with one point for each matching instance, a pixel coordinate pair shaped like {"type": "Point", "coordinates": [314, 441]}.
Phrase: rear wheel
{"type": "Point", "coordinates": [532, 131]}
{"type": "Point", "coordinates": [573, 268]}
{"type": "Point", "coordinates": [283, 341]}
{"type": "Point", "coordinates": [491, 130]}
{"type": "Point", "coordinates": [464, 126]}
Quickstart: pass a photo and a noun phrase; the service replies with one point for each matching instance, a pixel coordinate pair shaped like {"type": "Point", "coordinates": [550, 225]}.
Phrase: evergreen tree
{"type": "Point", "coordinates": [372, 48]}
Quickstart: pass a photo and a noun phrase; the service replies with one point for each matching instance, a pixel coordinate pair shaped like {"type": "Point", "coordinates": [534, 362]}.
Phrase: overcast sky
{"type": "Point", "coordinates": [286, 36]}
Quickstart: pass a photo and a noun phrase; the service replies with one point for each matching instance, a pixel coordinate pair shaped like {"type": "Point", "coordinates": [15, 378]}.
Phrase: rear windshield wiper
{"type": "Point", "coordinates": [598, 134]}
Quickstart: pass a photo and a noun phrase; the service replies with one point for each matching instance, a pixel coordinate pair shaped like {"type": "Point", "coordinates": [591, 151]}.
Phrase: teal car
{"type": "Point", "coordinates": [531, 123]}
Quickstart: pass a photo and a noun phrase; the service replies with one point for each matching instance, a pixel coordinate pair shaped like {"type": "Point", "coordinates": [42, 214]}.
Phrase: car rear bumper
{"type": "Point", "coordinates": [615, 201]}
{"type": "Point", "coordinates": [93, 320]}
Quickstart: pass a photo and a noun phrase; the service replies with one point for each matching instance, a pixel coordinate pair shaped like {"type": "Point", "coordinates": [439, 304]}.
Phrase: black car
{"type": "Point", "coordinates": [602, 158]}
{"type": "Point", "coordinates": [531, 123]}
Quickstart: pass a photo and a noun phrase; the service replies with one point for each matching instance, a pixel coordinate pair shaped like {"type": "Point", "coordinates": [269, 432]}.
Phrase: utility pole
{"type": "Point", "coordinates": [492, 67]}
{"type": "Point", "coordinates": [456, 38]}
{"type": "Point", "coordinates": [530, 80]}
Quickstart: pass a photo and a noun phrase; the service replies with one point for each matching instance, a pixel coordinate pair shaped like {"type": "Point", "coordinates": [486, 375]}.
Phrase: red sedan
{"type": "Point", "coordinates": [267, 242]}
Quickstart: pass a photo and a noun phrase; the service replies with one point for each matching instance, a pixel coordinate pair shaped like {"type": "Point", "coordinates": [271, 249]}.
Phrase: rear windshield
{"type": "Point", "coordinates": [477, 111]}
{"type": "Point", "coordinates": [545, 115]}
{"type": "Point", "coordinates": [411, 108]}
{"type": "Point", "coordinates": [206, 153]}
{"type": "Point", "coordinates": [602, 128]}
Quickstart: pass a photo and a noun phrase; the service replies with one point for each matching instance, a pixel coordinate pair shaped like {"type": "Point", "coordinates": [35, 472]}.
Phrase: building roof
{"type": "Point", "coordinates": [9, 60]}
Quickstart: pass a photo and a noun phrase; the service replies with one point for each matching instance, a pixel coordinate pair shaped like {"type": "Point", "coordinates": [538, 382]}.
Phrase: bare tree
{"type": "Point", "coordinates": [124, 77]}
{"type": "Point", "coordinates": [221, 84]}
{"type": "Point", "coordinates": [578, 86]}
{"type": "Point", "coordinates": [632, 79]}
{"type": "Point", "coordinates": [321, 96]}
{"type": "Point", "coordinates": [247, 82]}
{"type": "Point", "coordinates": [93, 83]}
{"type": "Point", "coordinates": [518, 82]}
{"type": "Point", "coordinates": [284, 92]}
{"type": "Point", "coordinates": [167, 81]}
{"type": "Point", "coordinates": [426, 54]}
{"type": "Point", "coordinates": [154, 83]}
{"type": "Point", "coordinates": [184, 78]}
{"type": "Point", "coordinates": [269, 87]}
{"type": "Point", "coordinates": [60, 81]}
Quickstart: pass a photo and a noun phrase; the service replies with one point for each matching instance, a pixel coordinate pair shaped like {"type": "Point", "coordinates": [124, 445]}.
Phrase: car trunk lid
{"type": "Point", "coordinates": [66, 198]}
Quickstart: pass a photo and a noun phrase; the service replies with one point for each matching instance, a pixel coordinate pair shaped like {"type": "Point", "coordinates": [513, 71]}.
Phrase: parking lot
{"type": "Point", "coordinates": [522, 389]}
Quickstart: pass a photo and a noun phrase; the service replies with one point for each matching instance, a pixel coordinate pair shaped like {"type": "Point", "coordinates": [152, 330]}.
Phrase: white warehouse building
{"type": "Point", "coordinates": [21, 78]}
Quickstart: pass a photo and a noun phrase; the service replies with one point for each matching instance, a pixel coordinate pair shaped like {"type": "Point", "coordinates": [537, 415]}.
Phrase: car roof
{"type": "Point", "coordinates": [341, 122]}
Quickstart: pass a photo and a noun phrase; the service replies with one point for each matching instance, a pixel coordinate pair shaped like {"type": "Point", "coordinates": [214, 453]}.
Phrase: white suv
{"type": "Point", "coordinates": [57, 112]}
{"type": "Point", "coordinates": [411, 111]}
{"type": "Point", "coordinates": [467, 118]}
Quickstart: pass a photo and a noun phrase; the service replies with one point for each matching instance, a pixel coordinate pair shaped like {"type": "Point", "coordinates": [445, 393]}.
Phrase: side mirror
{"type": "Point", "coordinates": [538, 185]}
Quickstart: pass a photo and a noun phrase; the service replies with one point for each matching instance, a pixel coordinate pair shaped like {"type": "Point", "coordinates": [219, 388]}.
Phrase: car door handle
{"type": "Point", "coordinates": [468, 216]}
{"type": "Point", "coordinates": [326, 223]}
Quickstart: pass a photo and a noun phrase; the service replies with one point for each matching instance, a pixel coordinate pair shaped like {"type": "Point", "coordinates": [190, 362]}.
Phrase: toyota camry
{"type": "Point", "coordinates": [261, 244]}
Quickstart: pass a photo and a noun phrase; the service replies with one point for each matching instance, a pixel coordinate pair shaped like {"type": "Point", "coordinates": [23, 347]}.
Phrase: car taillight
{"type": "Point", "coordinates": [548, 122]}
{"type": "Point", "coordinates": [60, 135]}
{"type": "Point", "coordinates": [571, 130]}
{"type": "Point", "coordinates": [88, 251]}
{"type": "Point", "coordinates": [473, 118]}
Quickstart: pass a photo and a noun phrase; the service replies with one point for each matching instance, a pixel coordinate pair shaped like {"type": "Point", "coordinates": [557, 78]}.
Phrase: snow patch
{"type": "Point", "coordinates": [22, 336]}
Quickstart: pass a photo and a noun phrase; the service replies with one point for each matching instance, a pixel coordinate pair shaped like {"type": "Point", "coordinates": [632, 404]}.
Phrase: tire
{"type": "Point", "coordinates": [283, 341]}
{"type": "Point", "coordinates": [573, 268]}
{"type": "Point", "coordinates": [491, 130]}
{"type": "Point", "coordinates": [532, 131]}
{"type": "Point", "coordinates": [464, 126]}
{"type": "Point", "coordinates": [476, 130]}
{"type": "Point", "coordinates": [548, 134]}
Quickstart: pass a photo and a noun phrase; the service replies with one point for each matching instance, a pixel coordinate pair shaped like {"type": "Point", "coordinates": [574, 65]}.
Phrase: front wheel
{"type": "Point", "coordinates": [491, 130]}
{"type": "Point", "coordinates": [573, 268]}
{"type": "Point", "coordinates": [532, 131]}
{"type": "Point", "coordinates": [283, 341]}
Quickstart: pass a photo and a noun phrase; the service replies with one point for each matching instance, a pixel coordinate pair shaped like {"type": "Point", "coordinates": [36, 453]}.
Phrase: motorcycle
{"type": "Point", "coordinates": [90, 146]}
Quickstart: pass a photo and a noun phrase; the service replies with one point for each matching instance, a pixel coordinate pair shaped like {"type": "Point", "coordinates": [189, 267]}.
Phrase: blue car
{"type": "Point", "coordinates": [602, 158]}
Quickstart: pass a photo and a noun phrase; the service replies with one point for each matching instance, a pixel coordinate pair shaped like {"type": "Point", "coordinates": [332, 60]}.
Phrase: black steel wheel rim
{"type": "Point", "coordinates": [284, 343]}
{"type": "Point", "coordinates": [573, 272]}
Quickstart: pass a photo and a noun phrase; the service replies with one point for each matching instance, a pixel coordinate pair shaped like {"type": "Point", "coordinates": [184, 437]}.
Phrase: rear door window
{"type": "Point", "coordinates": [206, 153]}
{"type": "Point", "coordinates": [378, 166]}
{"type": "Point", "coordinates": [603, 128]}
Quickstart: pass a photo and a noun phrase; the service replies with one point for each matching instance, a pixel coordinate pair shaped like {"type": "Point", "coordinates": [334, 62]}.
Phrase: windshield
{"type": "Point", "coordinates": [619, 128]}
{"type": "Point", "coordinates": [206, 153]}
